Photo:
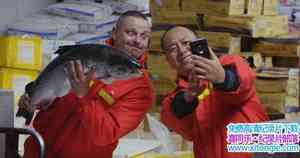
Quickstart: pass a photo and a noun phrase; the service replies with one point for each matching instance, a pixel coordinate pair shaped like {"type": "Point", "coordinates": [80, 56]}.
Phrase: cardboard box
{"type": "Point", "coordinates": [222, 41]}
{"type": "Point", "coordinates": [217, 8]}
{"type": "Point", "coordinates": [155, 41]}
{"type": "Point", "coordinates": [273, 102]}
{"type": "Point", "coordinates": [19, 52]}
{"type": "Point", "coordinates": [270, 85]}
{"type": "Point", "coordinates": [160, 68]}
{"type": "Point", "coordinates": [254, 7]}
{"type": "Point", "coordinates": [270, 48]}
{"type": "Point", "coordinates": [260, 26]}
{"type": "Point", "coordinates": [270, 7]}
{"type": "Point", "coordinates": [174, 17]}
{"type": "Point", "coordinates": [292, 88]}
{"type": "Point", "coordinates": [292, 101]}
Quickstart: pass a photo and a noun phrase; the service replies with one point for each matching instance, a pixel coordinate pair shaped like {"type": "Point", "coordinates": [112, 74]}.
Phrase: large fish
{"type": "Point", "coordinates": [109, 64]}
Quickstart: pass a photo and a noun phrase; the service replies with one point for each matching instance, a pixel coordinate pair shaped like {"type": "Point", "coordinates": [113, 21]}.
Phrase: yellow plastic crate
{"type": "Point", "coordinates": [16, 79]}
{"type": "Point", "coordinates": [21, 52]}
{"type": "Point", "coordinates": [152, 155]}
{"type": "Point", "coordinates": [184, 154]}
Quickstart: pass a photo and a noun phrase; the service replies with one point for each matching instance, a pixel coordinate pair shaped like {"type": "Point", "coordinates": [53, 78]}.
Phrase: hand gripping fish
{"type": "Point", "coordinates": [109, 64]}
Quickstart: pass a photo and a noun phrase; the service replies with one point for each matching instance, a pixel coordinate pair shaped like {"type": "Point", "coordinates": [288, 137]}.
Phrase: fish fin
{"type": "Point", "coordinates": [26, 114]}
{"type": "Point", "coordinates": [29, 88]}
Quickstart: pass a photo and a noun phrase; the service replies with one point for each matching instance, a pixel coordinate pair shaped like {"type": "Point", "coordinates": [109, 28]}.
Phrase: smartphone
{"type": "Point", "coordinates": [200, 48]}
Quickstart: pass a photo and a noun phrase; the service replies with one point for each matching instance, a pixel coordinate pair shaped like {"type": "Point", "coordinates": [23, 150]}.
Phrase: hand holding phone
{"type": "Point", "coordinates": [200, 47]}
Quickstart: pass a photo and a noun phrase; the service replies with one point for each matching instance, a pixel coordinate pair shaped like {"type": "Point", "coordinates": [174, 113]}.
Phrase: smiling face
{"type": "Point", "coordinates": [132, 35]}
{"type": "Point", "coordinates": [176, 44]}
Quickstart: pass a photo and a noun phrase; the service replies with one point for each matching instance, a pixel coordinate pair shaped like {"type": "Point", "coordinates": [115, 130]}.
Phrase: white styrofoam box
{"type": "Point", "coordinates": [88, 38]}
{"type": "Point", "coordinates": [6, 108]}
{"type": "Point", "coordinates": [45, 25]}
{"type": "Point", "coordinates": [143, 5]}
{"type": "Point", "coordinates": [6, 115]}
{"type": "Point", "coordinates": [104, 25]}
{"type": "Point", "coordinates": [82, 10]}
{"type": "Point", "coordinates": [120, 6]}
{"type": "Point", "coordinates": [51, 46]}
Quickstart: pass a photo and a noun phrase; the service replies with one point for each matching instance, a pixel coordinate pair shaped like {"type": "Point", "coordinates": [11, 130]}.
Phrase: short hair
{"type": "Point", "coordinates": [162, 46]}
{"type": "Point", "coordinates": [130, 13]}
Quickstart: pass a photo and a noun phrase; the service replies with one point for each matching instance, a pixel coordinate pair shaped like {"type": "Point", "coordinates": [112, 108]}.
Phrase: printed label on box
{"type": "Point", "coordinates": [26, 51]}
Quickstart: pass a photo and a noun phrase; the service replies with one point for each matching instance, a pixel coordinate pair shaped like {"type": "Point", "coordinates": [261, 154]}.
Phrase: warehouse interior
{"type": "Point", "coordinates": [263, 33]}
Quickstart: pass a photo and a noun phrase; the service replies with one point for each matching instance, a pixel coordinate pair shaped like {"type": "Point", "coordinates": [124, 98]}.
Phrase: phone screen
{"type": "Point", "coordinates": [200, 47]}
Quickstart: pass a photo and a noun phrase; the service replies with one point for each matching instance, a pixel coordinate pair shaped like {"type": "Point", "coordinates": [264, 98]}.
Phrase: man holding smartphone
{"type": "Point", "coordinates": [211, 93]}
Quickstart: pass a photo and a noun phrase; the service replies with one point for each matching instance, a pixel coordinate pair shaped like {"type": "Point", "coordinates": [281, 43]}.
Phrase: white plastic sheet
{"type": "Point", "coordinates": [162, 134]}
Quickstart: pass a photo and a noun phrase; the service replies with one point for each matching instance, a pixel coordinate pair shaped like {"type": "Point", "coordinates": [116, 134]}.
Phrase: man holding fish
{"type": "Point", "coordinates": [106, 94]}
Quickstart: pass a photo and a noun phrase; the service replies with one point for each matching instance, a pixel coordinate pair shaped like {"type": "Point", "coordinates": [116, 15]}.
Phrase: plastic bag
{"type": "Point", "coordinates": [161, 133]}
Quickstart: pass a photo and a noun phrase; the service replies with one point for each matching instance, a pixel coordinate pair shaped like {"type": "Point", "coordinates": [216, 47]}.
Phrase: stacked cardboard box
{"type": "Point", "coordinates": [240, 18]}
{"type": "Point", "coordinates": [252, 26]}
{"type": "Point", "coordinates": [271, 88]}
{"type": "Point", "coordinates": [231, 7]}
{"type": "Point", "coordinates": [222, 41]}
{"type": "Point", "coordinates": [271, 92]}
{"type": "Point", "coordinates": [258, 26]}
{"type": "Point", "coordinates": [155, 41]}
{"type": "Point", "coordinates": [170, 12]}
{"type": "Point", "coordinates": [292, 88]}
{"type": "Point", "coordinates": [236, 26]}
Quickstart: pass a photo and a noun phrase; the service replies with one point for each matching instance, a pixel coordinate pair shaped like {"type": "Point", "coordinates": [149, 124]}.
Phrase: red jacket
{"type": "Point", "coordinates": [91, 126]}
{"type": "Point", "coordinates": [206, 126]}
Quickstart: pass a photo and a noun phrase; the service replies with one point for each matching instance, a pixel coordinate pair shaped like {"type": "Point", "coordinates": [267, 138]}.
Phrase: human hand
{"type": "Point", "coordinates": [25, 103]}
{"type": "Point", "coordinates": [184, 58]}
{"type": "Point", "coordinates": [208, 69]}
{"type": "Point", "coordinates": [78, 79]}
{"type": "Point", "coordinates": [194, 88]}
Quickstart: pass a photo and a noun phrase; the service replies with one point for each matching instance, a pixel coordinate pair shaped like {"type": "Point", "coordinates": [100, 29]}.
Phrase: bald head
{"type": "Point", "coordinates": [177, 33]}
{"type": "Point", "coordinates": [133, 14]}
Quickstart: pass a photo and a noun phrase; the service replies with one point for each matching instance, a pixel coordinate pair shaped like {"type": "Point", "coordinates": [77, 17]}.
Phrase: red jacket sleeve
{"type": "Point", "coordinates": [183, 126]}
{"type": "Point", "coordinates": [107, 125]}
{"type": "Point", "coordinates": [246, 79]}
